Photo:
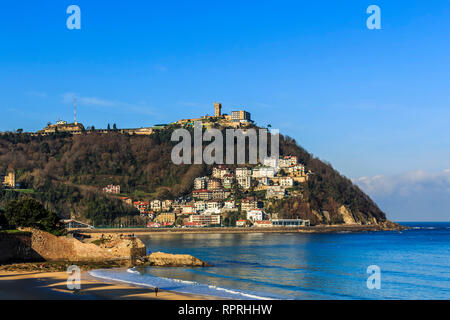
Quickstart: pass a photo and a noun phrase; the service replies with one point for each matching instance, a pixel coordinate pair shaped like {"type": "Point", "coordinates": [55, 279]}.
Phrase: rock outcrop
{"type": "Point", "coordinates": [162, 259]}
{"type": "Point", "coordinates": [52, 248]}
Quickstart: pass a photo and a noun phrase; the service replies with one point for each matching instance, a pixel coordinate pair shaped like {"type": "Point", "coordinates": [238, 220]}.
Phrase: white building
{"type": "Point", "coordinates": [227, 181]}
{"type": "Point", "coordinates": [244, 182]}
{"type": "Point", "coordinates": [275, 192]}
{"type": "Point", "coordinates": [205, 219]}
{"type": "Point", "coordinates": [241, 223]}
{"type": "Point", "coordinates": [155, 205]}
{"type": "Point", "coordinates": [264, 172]}
{"type": "Point", "coordinates": [286, 182]}
{"type": "Point", "coordinates": [220, 171]}
{"type": "Point", "coordinates": [200, 206]}
{"type": "Point", "coordinates": [200, 183]}
{"type": "Point", "coordinates": [188, 209]}
{"type": "Point", "coordinates": [230, 204]}
{"type": "Point", "coordinates": [166, 205]}
{"type": "Point", "coordinates": [287, 161]}
{"type": "Point", "coordinates": [270, 162]}
{"type": "Point", "coordinates": [263, 181]}
{"type": "Point", "coordinates": [242, 172]}
{"type": "Point", "coordinates": [255, 215]}
{"type": "Point", "coordinates": [213, 205]}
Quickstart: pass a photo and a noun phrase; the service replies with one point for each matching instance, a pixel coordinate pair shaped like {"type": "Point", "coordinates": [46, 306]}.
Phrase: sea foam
{"type": "Point", "coordinates": [134, 277]}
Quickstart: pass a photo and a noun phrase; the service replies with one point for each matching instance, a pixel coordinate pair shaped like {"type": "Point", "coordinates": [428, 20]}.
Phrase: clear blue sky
{"type": "Point", "coordinates": [372, 102]}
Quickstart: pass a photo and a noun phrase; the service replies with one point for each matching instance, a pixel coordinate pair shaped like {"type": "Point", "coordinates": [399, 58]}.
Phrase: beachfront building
{"type": "Point", "coordinates": [289, 222]}
{"type": "Point", "coordinates": [263, 224]}
{"type": "Point", "coordinates": [206, 219]}
{"type": "Point", "coordinates": [241, 223]}
{"type": "Point", "coordinates": [200, 183]}
{"type": "Point", "coordinates": [255, 215]}
{"type": "Point", "coordinates": [112, 189]}
{"type": "Point", "coordinates": [165, 218]}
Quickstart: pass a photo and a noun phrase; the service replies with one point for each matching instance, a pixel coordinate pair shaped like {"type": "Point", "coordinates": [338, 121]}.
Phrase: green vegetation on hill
{"type": "Point", "coordinates": [67, 173]}
{"type": "Point", "coordinates": [28, 212]}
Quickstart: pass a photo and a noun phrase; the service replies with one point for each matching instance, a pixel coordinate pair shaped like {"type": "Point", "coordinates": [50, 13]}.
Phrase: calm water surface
{"type": "Point", "coordinates": [415, 264]}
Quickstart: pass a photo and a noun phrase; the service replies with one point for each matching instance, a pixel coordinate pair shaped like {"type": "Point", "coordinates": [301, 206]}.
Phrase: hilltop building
{"type": "Point", "coordinates": [112, 189]}
{"type": "Point", "coordinates": [9, 180]}
{"type": "Point", "coordinates": [63, 126]}
{"type": "Point", "coordinates": [217, 109]}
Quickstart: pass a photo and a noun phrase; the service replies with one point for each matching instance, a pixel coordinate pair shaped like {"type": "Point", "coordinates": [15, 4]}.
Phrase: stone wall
{"type": "Point", "coordinates": [53, 248]}
{"type": "Point", "coordinates": [17, 248]}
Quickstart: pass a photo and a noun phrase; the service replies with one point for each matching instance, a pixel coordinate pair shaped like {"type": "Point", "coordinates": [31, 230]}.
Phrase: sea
{"type": "Point", "coordinates": [412, 264]}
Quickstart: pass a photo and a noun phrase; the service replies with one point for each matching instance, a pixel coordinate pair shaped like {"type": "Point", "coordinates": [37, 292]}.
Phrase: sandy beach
{"type": "Point", "coordinates": [52, 286]}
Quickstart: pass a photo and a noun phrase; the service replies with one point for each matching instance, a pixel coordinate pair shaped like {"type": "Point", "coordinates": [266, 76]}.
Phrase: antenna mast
{"type": "Point", "coordinates": [75, 111]}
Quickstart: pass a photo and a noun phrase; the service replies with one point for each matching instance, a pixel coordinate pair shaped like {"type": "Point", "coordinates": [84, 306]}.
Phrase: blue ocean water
{"type": "Point", "coordinates": [414, 264]}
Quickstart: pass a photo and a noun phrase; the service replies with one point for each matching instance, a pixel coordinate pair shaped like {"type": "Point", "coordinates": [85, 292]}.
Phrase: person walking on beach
{"type": "Point", "coordinates": [156, 291]}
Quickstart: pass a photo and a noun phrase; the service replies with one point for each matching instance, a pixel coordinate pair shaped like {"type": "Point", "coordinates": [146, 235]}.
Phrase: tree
{"type": "Point", "coordinates": [3, 221]}
{"type": "Point", "coordinates": [114, 127]}
{"type": "Point", "coordinates": [109, 127]}
{"type": "Point", "coordinates": [19, 131]}
{"type": "Point", "coordinates": [30, 213]}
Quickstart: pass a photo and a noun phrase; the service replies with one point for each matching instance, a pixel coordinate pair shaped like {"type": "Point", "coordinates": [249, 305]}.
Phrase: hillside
{"type": "Point", "coordinates": [66, 173]}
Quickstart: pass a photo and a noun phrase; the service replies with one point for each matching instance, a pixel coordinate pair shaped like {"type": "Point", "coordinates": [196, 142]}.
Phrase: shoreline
{"type": "Point", "coordinates": [19, 285]}
{"type": "Point", "coordinates": [309, 230]}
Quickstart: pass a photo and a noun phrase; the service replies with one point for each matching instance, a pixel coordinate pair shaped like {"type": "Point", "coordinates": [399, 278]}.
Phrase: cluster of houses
{"type": "Point", "coordinates": [214, 197]}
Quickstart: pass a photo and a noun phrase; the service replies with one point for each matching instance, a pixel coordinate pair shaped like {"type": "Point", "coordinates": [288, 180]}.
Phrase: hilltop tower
{"type": "Point", "coordinates": [217, 109]}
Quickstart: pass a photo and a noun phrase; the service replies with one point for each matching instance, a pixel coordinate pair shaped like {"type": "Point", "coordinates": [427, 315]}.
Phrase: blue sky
{"type": "Point", "coordinates": [374, 103]}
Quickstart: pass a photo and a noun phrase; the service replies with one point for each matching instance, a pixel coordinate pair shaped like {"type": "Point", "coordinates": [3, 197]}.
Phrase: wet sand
{"type": "Point", "coordinates": [21, 285]}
